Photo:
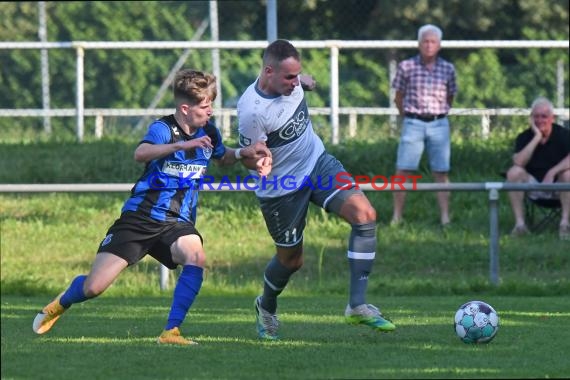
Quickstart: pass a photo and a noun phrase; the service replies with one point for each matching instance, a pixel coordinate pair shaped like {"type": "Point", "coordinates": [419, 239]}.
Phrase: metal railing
{"type": "Point", "coordinates": [493, 189]}
{"type": "Point", "coordinates": [334, 47]}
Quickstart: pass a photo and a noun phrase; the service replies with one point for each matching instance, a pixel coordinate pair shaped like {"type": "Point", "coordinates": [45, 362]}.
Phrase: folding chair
{"type": "Point", "coordinates": [540, 213]}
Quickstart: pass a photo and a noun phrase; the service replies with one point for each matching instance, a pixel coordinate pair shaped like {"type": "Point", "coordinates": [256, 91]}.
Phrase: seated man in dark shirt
{"type": "Point", "coordinates": [542, 155]}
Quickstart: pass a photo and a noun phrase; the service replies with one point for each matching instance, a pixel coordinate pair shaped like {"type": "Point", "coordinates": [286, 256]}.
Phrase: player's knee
{"type": "Point", "coordinates": [370, 214]}
{"type": "Point", "coordinates": [365, 214]}
{"type": "Point", "coordinates": [188, 250]}
{"type": "Point", "coordinates": [294, 264]}
{"type": "Point", "coordinates": [358, 210]}
{"type": "Point", "coordinates": [291, 258]}
{"type": "Point", "coordinates": [191, 257]}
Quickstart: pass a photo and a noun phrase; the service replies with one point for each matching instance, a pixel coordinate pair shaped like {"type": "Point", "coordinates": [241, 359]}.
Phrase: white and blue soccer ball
{"type": "Point", "coordinates": [476, 322]}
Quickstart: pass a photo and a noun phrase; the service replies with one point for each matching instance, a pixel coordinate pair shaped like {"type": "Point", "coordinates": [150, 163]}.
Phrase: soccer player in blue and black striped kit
{"type": "Point", "coordinates": [159, 217]}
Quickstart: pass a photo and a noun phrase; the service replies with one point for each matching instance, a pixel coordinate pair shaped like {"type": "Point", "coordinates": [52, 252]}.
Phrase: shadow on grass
{"type": "Point", "coordinates": [115, 337]}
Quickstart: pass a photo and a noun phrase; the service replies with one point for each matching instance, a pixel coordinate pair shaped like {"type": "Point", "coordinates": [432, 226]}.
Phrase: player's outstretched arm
{"type": "Point", "coordinates": [146, 152]}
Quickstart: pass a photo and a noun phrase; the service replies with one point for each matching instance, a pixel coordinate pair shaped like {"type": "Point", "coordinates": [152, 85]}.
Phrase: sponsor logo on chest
{"type": "Point", "coordinates": [181, 170]}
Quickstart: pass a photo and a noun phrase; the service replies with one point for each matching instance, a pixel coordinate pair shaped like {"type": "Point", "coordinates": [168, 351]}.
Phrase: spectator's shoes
{"type": "Point", "coordinates": [564, 232]}
{"type": "Point", "coordinates": [173, 336]}
{"type": "Point", "coordinates": [519, 231]}
{"type": "Point", "coordinates": [368, 315]}
{"type": "Point", "coordinates": [267, 323]}
{"type": "Point", "coordinates": [45, 320]}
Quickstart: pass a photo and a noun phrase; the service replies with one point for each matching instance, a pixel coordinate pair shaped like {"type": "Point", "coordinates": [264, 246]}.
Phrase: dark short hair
{"type": "Point", "coordinates": [278, 51]}
{"type": "Point", "coordinates": [194, 86]}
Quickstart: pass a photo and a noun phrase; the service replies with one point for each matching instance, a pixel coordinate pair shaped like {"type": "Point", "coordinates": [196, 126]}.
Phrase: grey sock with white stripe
{"type": "Point", "coordinates": [361, 254]}
{"type": "Point", "coordinates": [275, 279]}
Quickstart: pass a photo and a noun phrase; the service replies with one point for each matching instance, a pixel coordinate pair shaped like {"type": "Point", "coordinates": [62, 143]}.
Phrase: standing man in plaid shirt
{"type": "Point", "coordinates": [425, 87]}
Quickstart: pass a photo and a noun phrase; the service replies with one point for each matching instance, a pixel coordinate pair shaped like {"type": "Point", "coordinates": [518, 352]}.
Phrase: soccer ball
{"type": "Point", "coordinates": [476, 322]}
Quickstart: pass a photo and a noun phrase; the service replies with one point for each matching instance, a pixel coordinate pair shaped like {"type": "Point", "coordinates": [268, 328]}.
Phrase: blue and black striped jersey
{"type": "Point", "coordinates": [168, 188]}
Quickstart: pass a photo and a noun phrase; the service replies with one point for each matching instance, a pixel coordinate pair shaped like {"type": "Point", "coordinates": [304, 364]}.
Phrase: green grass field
{"type": "Point", "coordinates": [420, 277]}
{"type": "Point", "coordinates": [115, 337]}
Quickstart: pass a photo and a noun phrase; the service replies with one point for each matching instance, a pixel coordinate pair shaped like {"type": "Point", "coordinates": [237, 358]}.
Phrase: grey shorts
{"type": "Point", "coordinates": [538, 194]}
{"type": "Point", "coordinates": [285, 216]}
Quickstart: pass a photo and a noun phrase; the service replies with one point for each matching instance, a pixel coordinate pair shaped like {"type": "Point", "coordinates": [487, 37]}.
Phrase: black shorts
{"type": "Point", "coordinates": [133, 236]}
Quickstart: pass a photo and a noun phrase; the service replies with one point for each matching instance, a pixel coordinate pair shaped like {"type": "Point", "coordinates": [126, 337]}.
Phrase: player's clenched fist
{"type": "Point", "coordinates": [263, 166]}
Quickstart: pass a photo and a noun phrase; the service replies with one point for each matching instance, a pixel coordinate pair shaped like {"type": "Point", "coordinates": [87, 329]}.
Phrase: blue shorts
{"type": "Point", "coordinates": [416, 135]}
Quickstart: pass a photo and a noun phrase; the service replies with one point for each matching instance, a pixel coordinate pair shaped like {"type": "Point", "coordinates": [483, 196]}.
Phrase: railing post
{"type": "Point", "coordinates": [485, 126]}
{"type": "Point", "coordinates": [163, 277]}
{"type": "Point", "coordinates": [99, 125]}
{"type": "Point", "coordinates": [45, 66]}
{"type": "Point", "coordinates": [79, 101]}
{"type": "Point", "coordinates": [334, 95]}
{"type": "Point", "coordinates": [352, 122]}
{"type": "Point", "coordinates": [494, 236]}
{"type": "Point", "coordinates": [393, 118]}
{"type": "Point", "coordinates": [560, 87]}
{"type": "Point", "coordinates": [226, 124]}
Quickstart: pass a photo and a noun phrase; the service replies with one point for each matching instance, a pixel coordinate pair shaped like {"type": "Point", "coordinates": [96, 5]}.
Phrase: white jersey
{"type": "Point", "coordinates": [283, 123]}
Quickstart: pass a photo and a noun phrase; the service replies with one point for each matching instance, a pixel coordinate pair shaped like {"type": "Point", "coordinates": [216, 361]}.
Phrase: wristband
{"type": "Point", "coordinates": [237, 153]}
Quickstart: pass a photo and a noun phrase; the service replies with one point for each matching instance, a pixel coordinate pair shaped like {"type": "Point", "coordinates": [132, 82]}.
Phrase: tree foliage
{"type": "Point", "coordinates": [126, 78]}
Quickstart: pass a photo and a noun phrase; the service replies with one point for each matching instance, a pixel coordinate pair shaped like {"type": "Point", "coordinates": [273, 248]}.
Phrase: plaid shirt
{"type": "Point", "coordinates": [425, 92]}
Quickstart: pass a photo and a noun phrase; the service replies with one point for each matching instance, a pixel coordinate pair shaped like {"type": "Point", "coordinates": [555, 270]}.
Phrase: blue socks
{"type": "Point", "coordinates": [74, 294]}
{"type": "Point", "coordinates": [188, 286]}
{"type": "Point", "coordinates": [186, 290]}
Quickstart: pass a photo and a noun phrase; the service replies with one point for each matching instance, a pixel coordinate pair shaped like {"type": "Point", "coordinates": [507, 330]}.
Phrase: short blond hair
{"type": "Point", "coordinates": [194, 86]}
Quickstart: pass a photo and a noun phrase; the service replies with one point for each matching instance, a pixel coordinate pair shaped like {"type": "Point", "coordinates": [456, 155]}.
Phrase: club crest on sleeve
{"type": "Point", "coordinates": [107, 240]}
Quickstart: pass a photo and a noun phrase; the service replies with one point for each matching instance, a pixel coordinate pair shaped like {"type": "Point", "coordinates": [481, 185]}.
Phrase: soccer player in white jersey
{"type": "Point", "coordinates": [273, 109]}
